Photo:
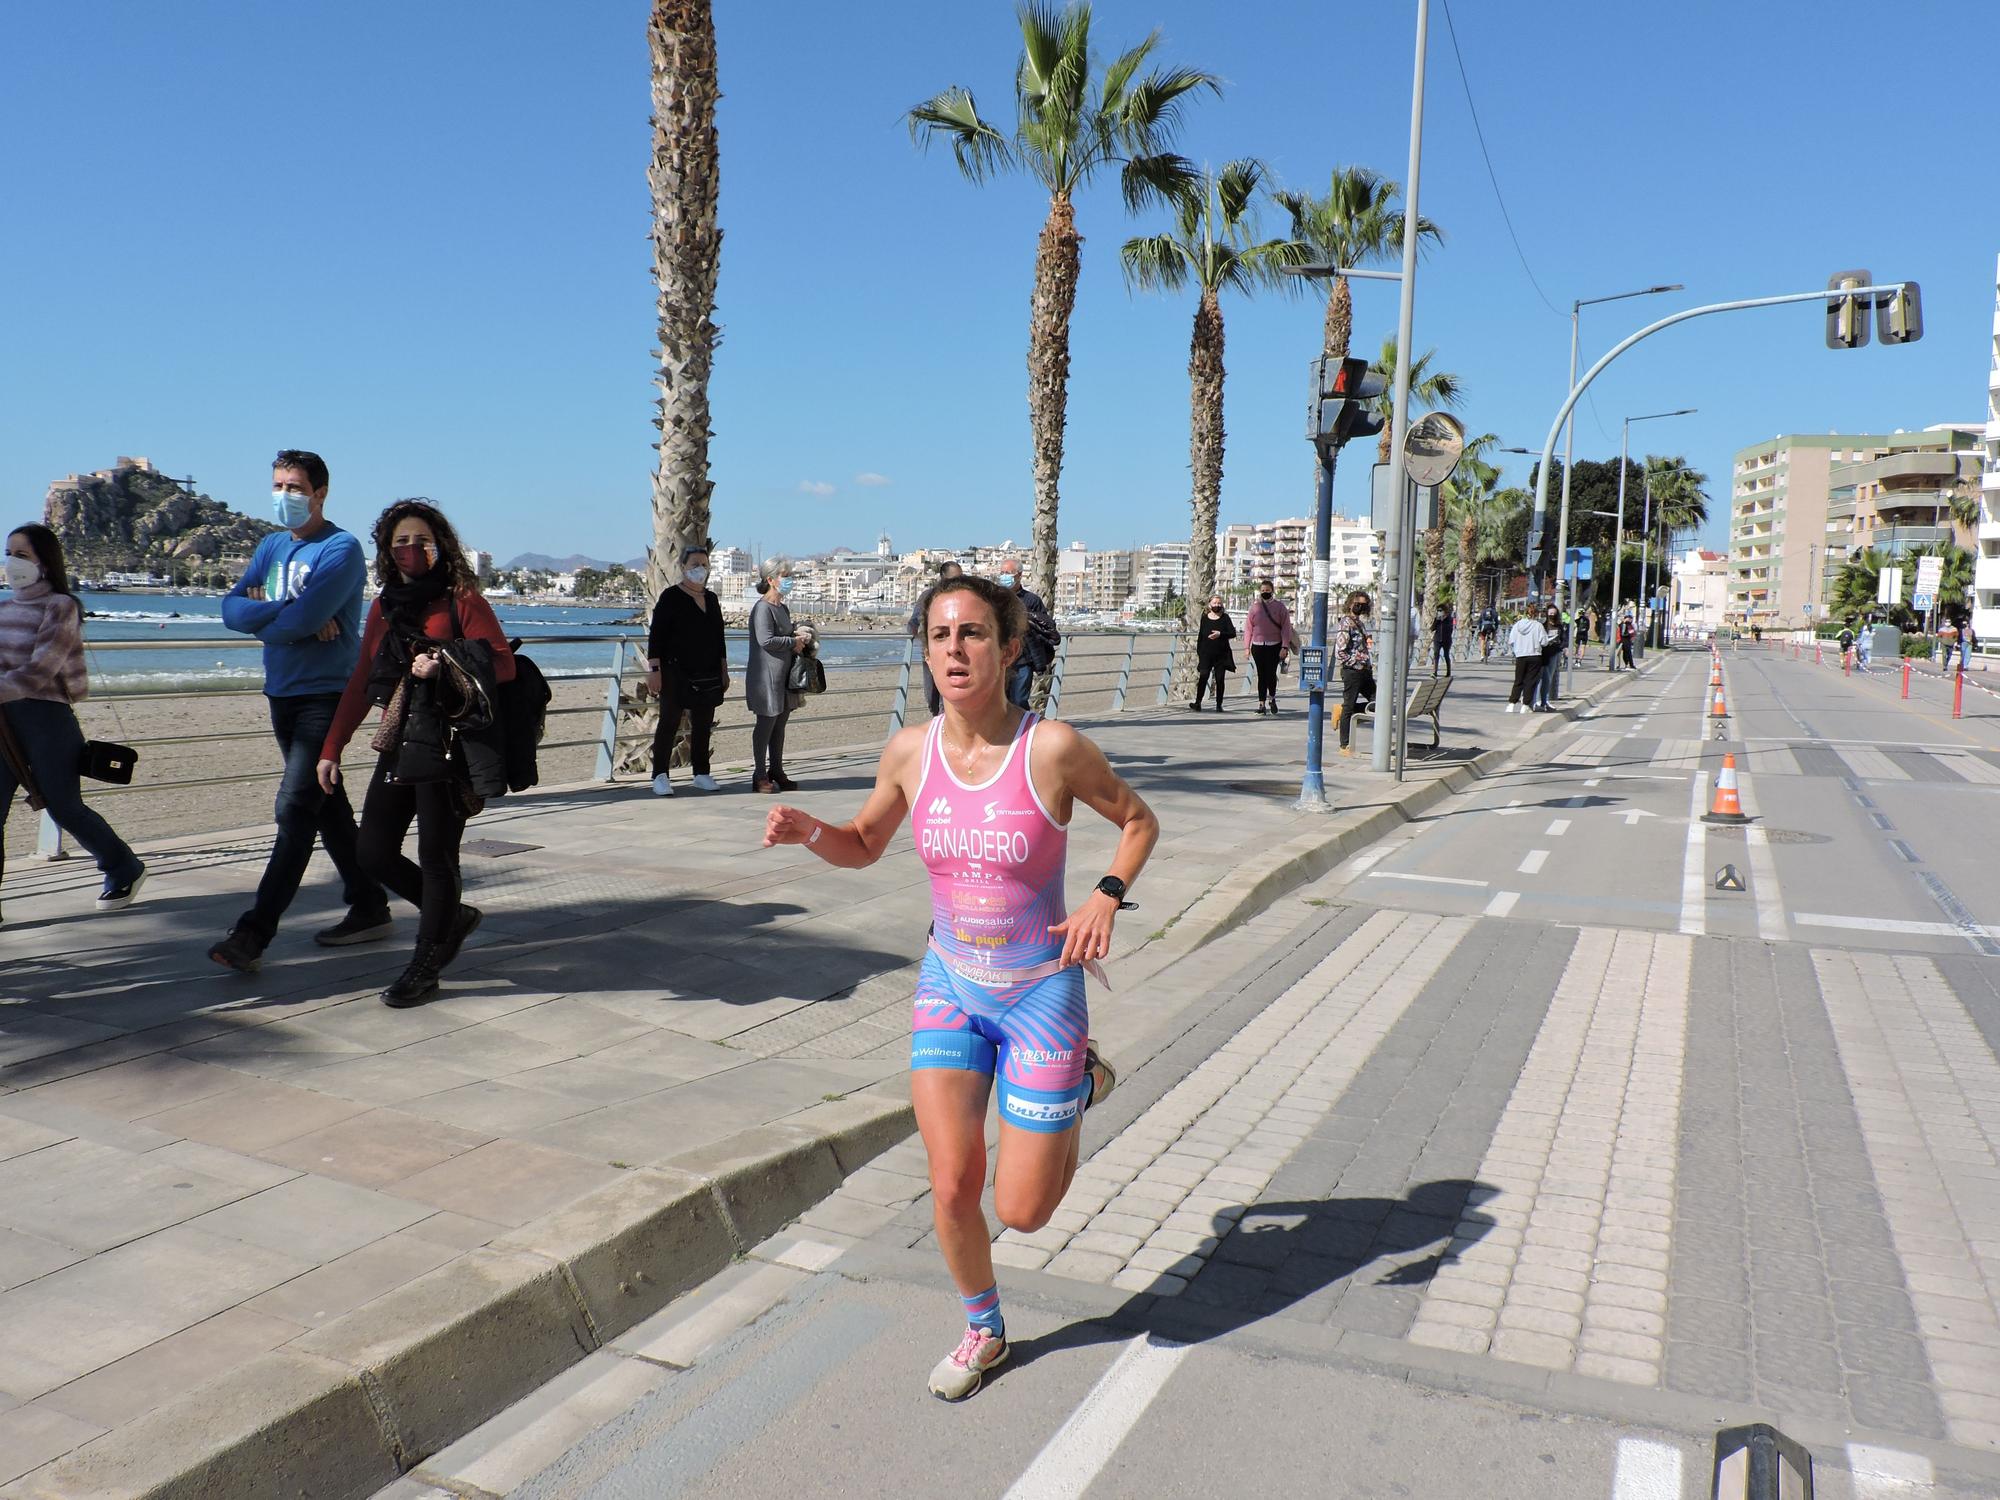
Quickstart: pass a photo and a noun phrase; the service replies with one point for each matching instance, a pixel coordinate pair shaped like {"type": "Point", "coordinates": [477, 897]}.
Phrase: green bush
{"type": "Point", "coordinates": [1918, 646]}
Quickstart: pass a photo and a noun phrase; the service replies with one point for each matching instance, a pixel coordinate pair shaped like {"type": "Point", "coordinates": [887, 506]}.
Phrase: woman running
{"type": "Point", "coordinates": [1000, 994]}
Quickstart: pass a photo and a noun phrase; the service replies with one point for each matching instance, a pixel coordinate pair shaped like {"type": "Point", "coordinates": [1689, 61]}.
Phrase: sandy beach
{"type": "Point", "coordinates": [224, 743]}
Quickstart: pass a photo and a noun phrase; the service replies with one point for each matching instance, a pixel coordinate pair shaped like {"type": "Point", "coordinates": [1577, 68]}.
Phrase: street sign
{"type": "Point", "coordinates": [1312, 669]}
{"type": "Point", "coordinates": [1889, 586]}
{"type": "Point", "coordinates": [1930, 574]}
{"type": "Point", "coordinates": [1579, 563]}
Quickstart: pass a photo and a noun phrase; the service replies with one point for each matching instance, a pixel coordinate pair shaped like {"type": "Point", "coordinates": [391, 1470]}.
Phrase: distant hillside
{"type": "Point", "coordinates": [131, 518]}
{"type": "Point", "coordinates": [542, 562]}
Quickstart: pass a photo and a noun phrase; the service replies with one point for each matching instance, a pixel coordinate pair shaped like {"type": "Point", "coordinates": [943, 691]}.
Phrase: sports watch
{"type": "Point", "coordinates": [1115, 888]}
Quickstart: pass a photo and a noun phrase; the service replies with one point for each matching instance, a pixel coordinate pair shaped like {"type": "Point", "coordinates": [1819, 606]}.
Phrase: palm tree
{"type": "Point", "coordinates": [1857, 583]}
{"type": "Point", "coordinates": [1356, 224]}
{"type": "Point", "coordinates": [1069, 125]}
{"type": "Point", "coordinates": [1213, 244]}
{"type": "Point", "coordinates": [687, 248]}
{"type": "Point", "coordinates": [1465, 496]}
{"type": "Point", "coordinates": [1431, 390]}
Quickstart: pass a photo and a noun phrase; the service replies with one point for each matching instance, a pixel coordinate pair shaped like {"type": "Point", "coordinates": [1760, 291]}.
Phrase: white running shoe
{"type": "Point", "coordinates": [960, 1372]}
{"type": "Point", "coordinates": [662, 787]}
{"type": "Point", "coordinates": [705, 783]}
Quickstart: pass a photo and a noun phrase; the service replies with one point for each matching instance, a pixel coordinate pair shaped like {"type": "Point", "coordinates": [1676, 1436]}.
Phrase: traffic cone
{"type": "Point", "coordinates": [1715, 674]}
{"type": "Point", "coordinates": [1728, 806]}
{"type": "Point", "coordinates": [1717, 709]}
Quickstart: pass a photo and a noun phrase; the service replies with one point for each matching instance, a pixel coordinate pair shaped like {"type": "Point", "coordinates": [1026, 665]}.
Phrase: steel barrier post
{"type": "Point", "coordinates": [902, 700]}
{"type": "Point", "coordinates": [607, 744]}
{"type": "Point", "coordinates": [1054, 700]}
{"type": "Point", "coordinates": [1124, 676]}
{"type": "Point", "coordinates": [1167, 672]}
{"type": "Point", "coordinates": [48, 841]}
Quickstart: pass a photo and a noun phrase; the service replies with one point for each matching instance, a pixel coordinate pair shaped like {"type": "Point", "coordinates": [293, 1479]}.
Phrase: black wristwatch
{"type": "Point", "coordinates": [1115, 888]}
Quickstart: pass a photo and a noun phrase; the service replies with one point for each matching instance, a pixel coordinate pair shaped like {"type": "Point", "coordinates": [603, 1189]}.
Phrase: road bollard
{"type": "Point", "coordinates": [1819, 654]}
{"type": "Point", "coordinates": [1958, 695]}
{"type": "Point", "coordinates": [1906, 677]}
{"type": "Point", "coordinates": [1846, 663]}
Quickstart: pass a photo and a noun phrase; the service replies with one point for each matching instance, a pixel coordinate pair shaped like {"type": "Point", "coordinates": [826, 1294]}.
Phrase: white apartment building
{"type": "Point", "coordinates": [1160, 570]}
{"type": "Point", "coordinates": [1700, 599]}
{"type": "Point", "coordinates": [1986, 565]}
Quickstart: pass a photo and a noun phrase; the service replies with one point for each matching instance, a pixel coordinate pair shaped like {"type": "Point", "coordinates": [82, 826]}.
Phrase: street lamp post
{"type": "Point", "coordinates": [1569, 435]}
{"type": "Point", "coordinates": [1624, 444]}
{"type": "Point", "coordinates": [1646, 552]}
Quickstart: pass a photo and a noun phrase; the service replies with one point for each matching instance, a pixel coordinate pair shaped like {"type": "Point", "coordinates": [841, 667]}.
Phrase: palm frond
{"type": "Point", "coordinates": [1042, 28]}
{"type": "Point", "coordinates": [1150, 114]}
{"type": "Point", "coordinates": [1161, 178]}
{"type": "Point", "coordinates": [953, 116]}
{"type": "Point", "coordinates": [1119, 74]}
{"type": "Point", "coordinates": [1236, 189]}
{"type": "Point", "coordinates": [1155, 262]}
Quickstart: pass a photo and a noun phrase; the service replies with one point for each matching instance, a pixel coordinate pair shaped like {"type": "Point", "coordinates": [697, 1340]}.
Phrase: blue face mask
{"type": "Point", "coordinates": [292, 511]}
{"type": "Point", "coordinates": [1009, 581]}
{"type": "Point", "coordinates": [784, 585]}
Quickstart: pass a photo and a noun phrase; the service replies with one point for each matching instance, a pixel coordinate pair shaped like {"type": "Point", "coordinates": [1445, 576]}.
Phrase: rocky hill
{"type": "Point", "coordinates": [132, 518]}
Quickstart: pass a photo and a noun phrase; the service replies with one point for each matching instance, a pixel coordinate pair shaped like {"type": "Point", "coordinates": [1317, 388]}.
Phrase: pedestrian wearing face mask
{"type": "Point", "coordinates": [1213, 632]}
{"type": "Point", "coordinates": [1038, 646]}
{"type": "Point", "coordinates": [1354, 654]}
{"type": "Point", "coordinates": [430, 600]}
{"type": "Point", "coordinates": [301, 596]}
{"type": "Point", "coordinates": [687, 670]}
{"type": "Point", "coordinates": [774, 641]}
{"type": "Point", "coordinates": [41, 675]}
{"type": "Point", "coordinates": [1550, 680]}
{"type": "Point", "coordinates": [1272, 638]}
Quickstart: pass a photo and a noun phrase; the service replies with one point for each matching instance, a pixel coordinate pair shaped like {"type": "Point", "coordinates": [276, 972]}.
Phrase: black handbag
{"type": "Point", "coordinates": [101, 760]}
{"type": "Point", "coordinates": [806, 674]}
{"type": "Point", "coordinates": [702, 690]}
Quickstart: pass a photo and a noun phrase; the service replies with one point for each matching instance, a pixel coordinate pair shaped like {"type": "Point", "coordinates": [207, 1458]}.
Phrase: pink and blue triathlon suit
{"type": "Point", "coordinates": [996, 860]}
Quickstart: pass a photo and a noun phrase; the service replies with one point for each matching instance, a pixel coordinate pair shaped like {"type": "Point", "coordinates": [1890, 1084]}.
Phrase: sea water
{"type": "Point", "coordinates": [189, 648]}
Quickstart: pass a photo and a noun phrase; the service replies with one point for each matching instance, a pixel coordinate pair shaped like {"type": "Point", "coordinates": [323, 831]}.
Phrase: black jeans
{"type": "Point", "coordinates": [767, 745]}
{"type": "Point", "coordinates": [304, 813]}
{"type": "Point", "coordinates": [1527, 674]}
{"type": "Point", "coordinates": [701, 727]}
{"type": "Point", "coordinates": [1441, 653]}
{"type": "Point", "coordinates": [1218, 672]}
{"type": "Point", "coordinates": [431, 884]}
{"type": "Point", "coordinates": [1357, 686]}
{"type": "Point", "coordinates": [1266, 658]}
{"type": "Point", "coordinates": [52, 740]}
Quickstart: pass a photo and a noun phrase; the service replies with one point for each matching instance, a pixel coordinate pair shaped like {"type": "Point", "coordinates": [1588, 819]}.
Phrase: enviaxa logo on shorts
{"type": "Point", "coordinates": [1040, 1109]}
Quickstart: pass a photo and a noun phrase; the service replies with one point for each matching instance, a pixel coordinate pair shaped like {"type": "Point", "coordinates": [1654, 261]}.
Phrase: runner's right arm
{"type": "Point", "coordinates": [859, 843]}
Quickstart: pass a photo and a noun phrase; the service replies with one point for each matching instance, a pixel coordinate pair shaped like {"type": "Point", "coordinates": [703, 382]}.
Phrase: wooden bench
{"type": "Point", "coordinates": [1426, 699]}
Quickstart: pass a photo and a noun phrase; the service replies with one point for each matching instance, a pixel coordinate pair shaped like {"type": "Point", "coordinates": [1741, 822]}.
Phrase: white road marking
{"type": "Point", "coordinates": [1557, 829]}
{"type": "Point", "coordinates": [1888, 924]}
{"type": "Point", "coordinates": [1883, 1473]}
{"type": "Point", "coordinates": [1502, 903]}
{"type": "Point", "coordinates": [1593, 781]}
{"type": "Point", "coordinates": [1763, 871]}
{"type": "Point", "coordinates": [1631, 815]}
{"type": "Point", "coordinates": [1359, 865]}
{"type": "Point", "coordinates": [1646, 1470]}
{"type": "Point", "coordinates": [1513, 806]}
{"type": "Point", "coordinates": [1426, 879]}
{"type": "Point", "coordinates": [1074, 1457]}
{"type": "Point", "coordinates": [1694, 879]}
{"type": "Point", "coordinates": [1870, 764]}
{"type": "Point", "coordinates": [1532, 865]}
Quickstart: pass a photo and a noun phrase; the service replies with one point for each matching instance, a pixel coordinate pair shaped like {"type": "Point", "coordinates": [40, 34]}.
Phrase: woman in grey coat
{"type": "Point", "coordinates": [773, 643]}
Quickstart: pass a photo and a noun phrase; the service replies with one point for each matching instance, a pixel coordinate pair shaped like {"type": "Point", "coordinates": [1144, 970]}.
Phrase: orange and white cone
{"type": "Point", "coordinates": [1717, 709]}
{"type": "Point", "coordinates": [1715, 675]}
{"type": "Point", "coordinates": [1728, 807]}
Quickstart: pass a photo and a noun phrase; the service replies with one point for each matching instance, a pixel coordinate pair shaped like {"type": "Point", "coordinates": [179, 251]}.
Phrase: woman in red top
{"type": "Point", "coordinates": [429, 596]}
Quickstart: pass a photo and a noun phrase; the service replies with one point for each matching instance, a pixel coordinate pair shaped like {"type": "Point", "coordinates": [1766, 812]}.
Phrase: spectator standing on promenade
{"type": "Point", "coordinates": [427, 627]}
{"type": "Point", "coordinates": [1212, 652]}
{"type": "Point", "coordinates": [1550, 680]}
{"type": "Point", "coordinates": [1272, 637]}
{"type": "Point", "coordinates": [687, 670]}
{"type": "Point", "coordinates": [301, 596]}
{"type": "Point", "coordinates": [1038, 646]}
{"type": "Point", "coordinates": [1628, 633]}
{"type": "Point", "coordinates": [990, 791]}
{"type": "Point", "coordinates": [1525, 642]}
{"type": "Point", "coordinates": [915, 630]}
{"type": "Point", "coordinates": [774, 641]}
{"type": "Point", "coordinates": [41, 675]}
{"type": "Point", "coordinates": [1441, 632]}
{"type": "Point", "coordinates": [1354, 654]}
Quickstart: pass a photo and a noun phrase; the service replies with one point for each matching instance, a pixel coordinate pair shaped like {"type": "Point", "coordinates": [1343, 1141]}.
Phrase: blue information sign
{"type": "Point", "coordinates": [1312, 669]}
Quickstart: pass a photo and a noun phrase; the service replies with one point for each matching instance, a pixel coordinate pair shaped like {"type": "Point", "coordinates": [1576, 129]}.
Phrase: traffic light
{"type": "Point", "coordinates": [1847, 317]}
{"type": "Point", "coordinates": [1343, 407]}
{"type": "Point", "coordinates": [1899, 316]}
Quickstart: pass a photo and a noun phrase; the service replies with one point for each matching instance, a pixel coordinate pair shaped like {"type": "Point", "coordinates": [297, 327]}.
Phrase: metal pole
{"type": "Point", "coordinates": [1312, 789]}
{"type": "Point", "coordinates": [1388, 719]}
{"type": "Point", "coordinates": [1618, 546]}
{"type": "Point", "coordinates": [1565, 582]}
{"type": "Point", "coordinates": [1053, 699]}
{"type": "Point", "coordinates": [607, 744]}
{"type": "Point", "coordinates": [1124, 676]}
{"type": "Point", "coordinates": [1646, 560]}
{"type": "Point", "coordinates": [901, 706]}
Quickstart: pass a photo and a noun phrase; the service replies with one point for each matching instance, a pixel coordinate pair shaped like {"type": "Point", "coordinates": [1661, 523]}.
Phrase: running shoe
{"type": "Point", "coordinates": [114, 896]}
{"type": "Point", "coordinates": [1095, 1065]}
{"type": "Point", "coordinates": [356, 927]}
{"type": "Point", "coordinates": [960, 1372]}
{"type": "Point", "coordinates": [241, 950]}
{"type": "Point", "coordinates": [705, 783]}
{"type": "Point", "coordinates": [662, 786]}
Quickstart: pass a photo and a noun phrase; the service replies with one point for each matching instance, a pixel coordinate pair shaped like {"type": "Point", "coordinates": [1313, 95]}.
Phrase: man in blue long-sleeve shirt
{"type": "Point", "coordinates": [301, 596]}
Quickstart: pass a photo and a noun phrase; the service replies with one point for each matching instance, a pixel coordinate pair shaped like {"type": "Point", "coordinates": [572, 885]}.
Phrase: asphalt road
{"type": "Point", "coordinates": [1411, 1297]}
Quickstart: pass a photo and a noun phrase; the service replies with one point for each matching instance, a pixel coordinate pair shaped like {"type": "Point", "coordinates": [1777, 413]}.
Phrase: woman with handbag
{"type": "Point", "coordinates": [427, 648]}
{"type": "Point", "coordinates": [687, 670]}
{"type": "Point", "coordinates": [774, 641]}
{"type": "Point", "coordinates": [41, 675]}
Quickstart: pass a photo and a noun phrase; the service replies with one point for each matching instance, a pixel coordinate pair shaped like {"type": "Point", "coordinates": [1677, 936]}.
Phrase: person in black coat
{"type": "Point", "coordinates": [1212, 653]}
{"type": "Point", "coordinates": [687, 669]}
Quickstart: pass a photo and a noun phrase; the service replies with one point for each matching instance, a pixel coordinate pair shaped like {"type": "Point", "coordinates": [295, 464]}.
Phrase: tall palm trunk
{"type": "Point", "coordinates": [1468, 545]}
{"type": "Point", "coordinates": [1205, 440]}
{"type": "Point", "coordinates": [687, 245]}
{"type": "Point", "coordinates": [1433, 572]}
{"type": "Point", "coordinates": [1058, 259]}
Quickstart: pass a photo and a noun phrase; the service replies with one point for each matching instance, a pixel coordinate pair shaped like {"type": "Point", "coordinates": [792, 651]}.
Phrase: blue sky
{"type": "Point", "coordinates": [413, 236]}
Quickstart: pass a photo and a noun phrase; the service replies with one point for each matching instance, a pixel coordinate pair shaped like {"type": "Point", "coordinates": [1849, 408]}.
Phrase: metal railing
{"type": "Point", "coordinates": [1127, 654]}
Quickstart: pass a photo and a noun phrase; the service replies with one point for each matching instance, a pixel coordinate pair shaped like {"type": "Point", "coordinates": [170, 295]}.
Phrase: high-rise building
{"type": "Point", "coordinates": [1161, 570]}
{"type": "Point", "coordinates": [1986, 565]}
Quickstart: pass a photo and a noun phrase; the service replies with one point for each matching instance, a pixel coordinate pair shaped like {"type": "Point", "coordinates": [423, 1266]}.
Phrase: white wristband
{"type": "Point", "coordinates": [818, 829]}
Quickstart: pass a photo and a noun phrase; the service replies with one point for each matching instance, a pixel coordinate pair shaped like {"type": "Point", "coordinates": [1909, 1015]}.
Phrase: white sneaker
{"type": "Point", "coordinates": [960, 1372]}
{"type": "Point", "coordinates": [705, 783]}
{"type": "Point", "coordinates": [662, 787]}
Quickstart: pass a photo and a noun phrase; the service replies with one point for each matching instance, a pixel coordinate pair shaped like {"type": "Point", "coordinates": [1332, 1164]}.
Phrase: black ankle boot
{"type": "Point", "coordinates": [462, 927]}
{"type": "Point", "coordinates": [418, 982]}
